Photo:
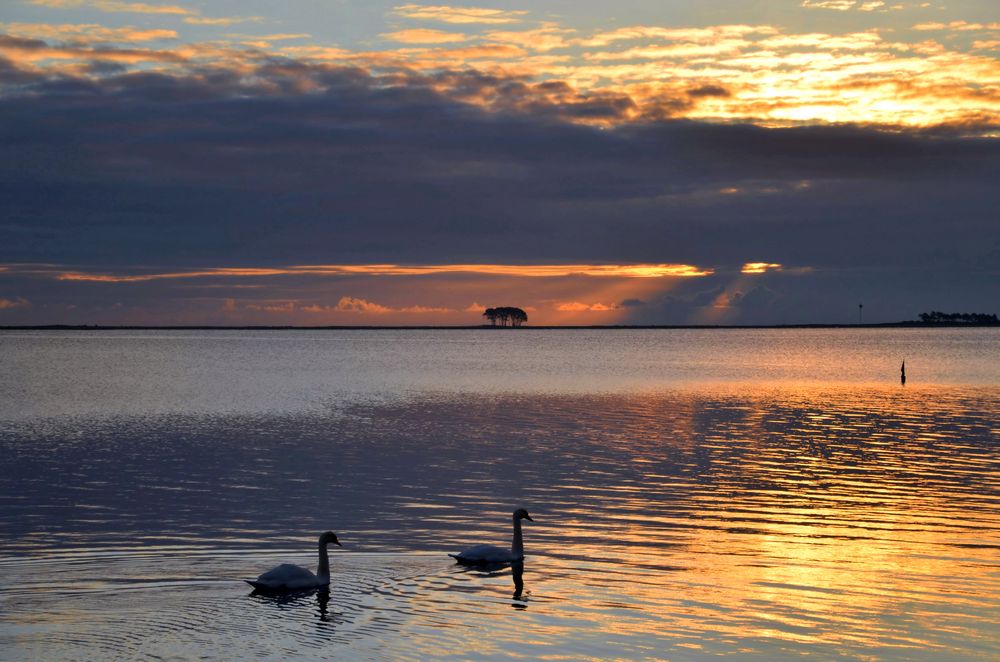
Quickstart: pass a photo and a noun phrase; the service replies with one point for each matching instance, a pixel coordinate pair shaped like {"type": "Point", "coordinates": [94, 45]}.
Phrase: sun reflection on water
{"type": "Point", "coordinates": [809, 519]}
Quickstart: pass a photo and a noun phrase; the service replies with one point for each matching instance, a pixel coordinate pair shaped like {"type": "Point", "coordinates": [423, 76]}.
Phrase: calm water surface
{"type": "Point", "coordinates": [757, 494]}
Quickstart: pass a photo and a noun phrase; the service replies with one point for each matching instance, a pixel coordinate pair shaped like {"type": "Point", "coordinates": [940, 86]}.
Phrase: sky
{"type": "Point", "coordinates": [341, 162]}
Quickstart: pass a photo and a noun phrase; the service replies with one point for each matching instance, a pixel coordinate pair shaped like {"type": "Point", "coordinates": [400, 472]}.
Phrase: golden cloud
{"type": "Point", "coordinates": [85, 32]}
{"type": "Point", "coordinates": [578, 307]}
{"type": "Point", "coordinates": [607, 78]}
{"type": "Point", "coordinates": [529, 271]}
{"type": "Point", "coordinates": [113, 6]}
{"type": "Point", "coordinates": [837, 5]}
{"type": "Point", "coordinates": [545, 38]}
{"type": "Point", "coordinates": [959, 26]}
{"type": "Point", "coordinates": [448, 14]}
{"type": "Point", "coordinates": [759, 267]}
{"type": "Point", "coordinates": [424, 36]}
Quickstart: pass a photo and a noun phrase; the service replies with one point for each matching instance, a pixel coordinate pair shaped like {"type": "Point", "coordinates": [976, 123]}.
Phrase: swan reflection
{"type": "Point", "coordinates": [517, 573]}
{"type": "Point", "coordinates": [296, 599]}
{"type": "Point", "coordinates": [516, 569]}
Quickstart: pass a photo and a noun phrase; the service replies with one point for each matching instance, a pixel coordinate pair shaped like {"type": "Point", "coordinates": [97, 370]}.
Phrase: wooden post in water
{"type": "Point", "coordinates": [902, 373]}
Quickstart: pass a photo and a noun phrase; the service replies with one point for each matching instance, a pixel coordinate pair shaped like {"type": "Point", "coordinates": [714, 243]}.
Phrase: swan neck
{"type": "Point", "coordinates": [324, 562]}
{"type": "Point", "coordinates": [517, 544]}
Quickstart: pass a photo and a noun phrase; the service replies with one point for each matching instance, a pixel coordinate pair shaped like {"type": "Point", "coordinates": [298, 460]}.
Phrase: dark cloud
{"type": "Point", "coordinates": [303, 163]}
{"type": "Point", "coordinates": [709, 91]}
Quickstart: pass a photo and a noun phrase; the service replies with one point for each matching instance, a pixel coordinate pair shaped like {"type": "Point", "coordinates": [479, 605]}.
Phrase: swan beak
{"type": "Point", "coordinates": [528, 517]}
{"type": "Point", "coordinates": [337, 543]}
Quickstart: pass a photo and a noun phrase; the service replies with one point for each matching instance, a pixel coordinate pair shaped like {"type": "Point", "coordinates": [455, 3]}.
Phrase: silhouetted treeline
{"type": "Point", "coordinates": [506, 316]}
{"type": "Point", "coordinates": [935, 317]}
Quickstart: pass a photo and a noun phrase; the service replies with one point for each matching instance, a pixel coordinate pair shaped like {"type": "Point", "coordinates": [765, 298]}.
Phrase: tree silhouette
{"type": "Point", "coordinates": [936, 317]}
{"type": "Point", "coordinates": [506, 315]}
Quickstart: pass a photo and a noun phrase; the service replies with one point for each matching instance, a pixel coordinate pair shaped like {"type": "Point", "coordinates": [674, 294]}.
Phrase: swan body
{"type": "Point", "coordinates": [288, 577]}
{"type": "Point", "coordinates": [491, 554]}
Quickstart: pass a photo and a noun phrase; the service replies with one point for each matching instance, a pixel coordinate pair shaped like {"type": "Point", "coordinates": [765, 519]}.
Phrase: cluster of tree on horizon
{"type": "Point", "coordinates": [506, 316]}
{"type": "Point", "coordinates": [936, 317]}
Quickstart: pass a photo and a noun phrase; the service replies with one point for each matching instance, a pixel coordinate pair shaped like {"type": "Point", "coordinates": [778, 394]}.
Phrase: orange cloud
{"type": "Point", "coordinates": [354, 305]}
{"type": "Point", "coordinates": [577, 307]}
{"type": "Point", "coordinates": [759, 267]}
{"type": "Point", "coordinates": [693, 35]}
{"type": "Point", "coordinates": [545, 38]}
{"type": "Point", "coordinates": [960, 26]}
{"type": "Point", "coordinates": [349, 304]}
{"type": "Point", "coordinates": [424, 36]}
{"type": "Point", "coordinates": [112, 6]}
{"type": "Point", "coordinates": [447, 14]}
{"type": "Point", "coordinates": [346, 304]}
{"type": "Point", "coordinates": [13, 303]}
{"type": "Point", "coordinates": [530, 271]}
{"type": "Point", "coordinates": [634, 73]}
{"type": "Point", "coordinates": [86, 32]}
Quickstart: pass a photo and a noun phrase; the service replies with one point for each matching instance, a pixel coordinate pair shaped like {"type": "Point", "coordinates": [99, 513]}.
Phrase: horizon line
{"type": "Point", "coordinates": [469, 327]}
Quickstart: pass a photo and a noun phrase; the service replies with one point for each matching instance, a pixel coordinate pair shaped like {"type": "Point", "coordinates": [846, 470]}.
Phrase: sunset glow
{"type": "Point", "coordinates": [241, 165]}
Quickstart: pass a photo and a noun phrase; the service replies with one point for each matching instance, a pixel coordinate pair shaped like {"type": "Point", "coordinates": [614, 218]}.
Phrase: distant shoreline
{"type": "Point", "coordinates": [482, 327]}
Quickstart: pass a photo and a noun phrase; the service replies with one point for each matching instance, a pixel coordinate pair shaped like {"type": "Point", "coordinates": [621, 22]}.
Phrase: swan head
{"type": "Point", "coordinates": [329, 537]}
{"type": "Point", "coordinates": [521, 513]}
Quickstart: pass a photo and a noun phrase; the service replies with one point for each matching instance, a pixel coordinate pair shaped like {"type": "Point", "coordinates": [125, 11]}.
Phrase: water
{"type": "Point", "coordinates": [759, 494]}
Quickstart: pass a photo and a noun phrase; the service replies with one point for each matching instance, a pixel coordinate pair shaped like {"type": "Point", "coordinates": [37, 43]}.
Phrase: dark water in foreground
{"type": "Point", "coordinates": [759, 494]}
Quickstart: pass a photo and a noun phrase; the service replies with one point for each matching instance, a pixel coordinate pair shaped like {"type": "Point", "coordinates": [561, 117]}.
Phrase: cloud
{"type": "Point", "coordinates": [631, 74]}
{"type": "Point", "coordinates": [165, 159]}
{"type": "Point", "coordinates": [759, 267]}
{"type": "Point", "coordinates": [221, 20]}
{"type": "Point", "coordinates": [346, 304]}
{"type": "Point", "coordinates": [281, 307]}
{"type": "Point", "coordinates": [958, 26]}
{"type": "Point", "coordinates": [460, 15]}
{"type": "Point", "coordinates": [578, 307]}
{"type": "Point", "coordinates": [424, 36]}
{"type": "Point", "coordinates": [13, 303]}
{"type": "Point", "coordinates": [190, 16]}
{"type": "Point", "coordinates": [112, 6]}
{"type": "Point", "coordinates": [526, 271]}
{"type": "Point", "coordinates": [423, 310]}
{"type": "Point", "coordinates": [704, 35]}
{"type": "Point", "coordinates": [85, 32]}
{"type": "Point", "coordinates": [545, 38]}
{"type": "Point", "coordinates": [353, 305]}
{"type": "Point", "coordinates": [837, 5]}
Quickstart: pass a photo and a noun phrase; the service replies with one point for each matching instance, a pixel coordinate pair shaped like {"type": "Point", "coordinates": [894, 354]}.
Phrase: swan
{"type": "Point", "coordinates": [490, 554]}
{"type": "Point", "coordinates": [288, 577]}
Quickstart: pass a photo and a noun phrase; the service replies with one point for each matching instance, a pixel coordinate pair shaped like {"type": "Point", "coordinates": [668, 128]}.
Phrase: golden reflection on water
{"type": "Point", "coordinates": [820, 520]}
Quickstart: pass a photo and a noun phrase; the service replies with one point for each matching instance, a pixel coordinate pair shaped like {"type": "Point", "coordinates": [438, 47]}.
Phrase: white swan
{"type": "Point", "coordinates": [288, 577]}
{"type": "Point", "coordinates": [491, 554]}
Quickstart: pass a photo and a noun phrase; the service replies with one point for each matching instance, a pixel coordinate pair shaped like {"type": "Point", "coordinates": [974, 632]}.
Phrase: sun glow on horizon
{"type": "Point", "coordinates": [528, 271]}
